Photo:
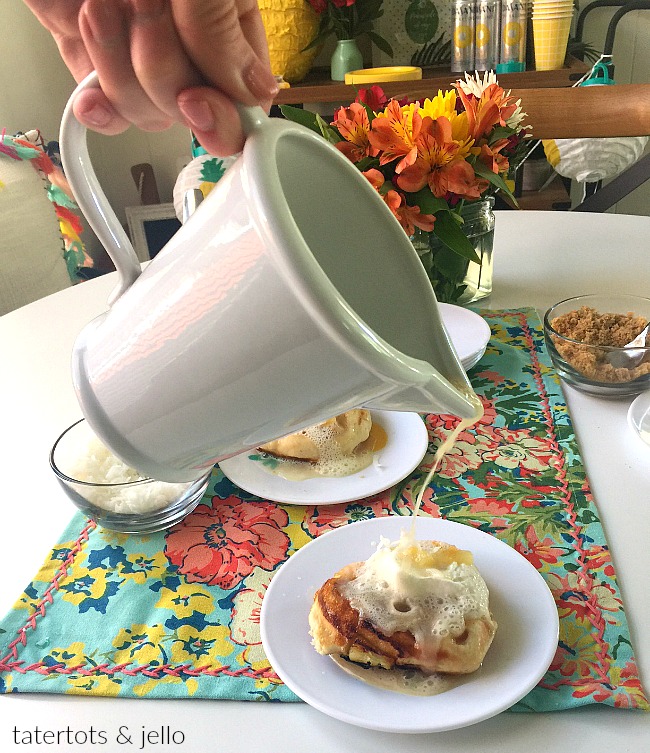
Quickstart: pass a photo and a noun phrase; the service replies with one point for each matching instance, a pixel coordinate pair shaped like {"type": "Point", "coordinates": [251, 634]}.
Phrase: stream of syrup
{"type": "Point", "coordinates": [411, 681]}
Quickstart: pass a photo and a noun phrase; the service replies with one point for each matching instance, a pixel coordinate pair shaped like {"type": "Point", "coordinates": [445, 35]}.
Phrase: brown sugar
{"type": "Point", "coordinates": [593, 334]}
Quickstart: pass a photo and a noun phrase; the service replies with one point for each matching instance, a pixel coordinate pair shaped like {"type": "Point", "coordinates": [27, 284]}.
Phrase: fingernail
{"type": "Point", "coordinates": [260, 81]}
{"type": "Point", "coordinates": [97, 116]}
{"type": "Point", "coordinates": [197, 113]}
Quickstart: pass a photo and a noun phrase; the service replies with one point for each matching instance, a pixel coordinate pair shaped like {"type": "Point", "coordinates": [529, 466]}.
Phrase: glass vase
{"type": "Point", "coordinates": [454, 278]}
{"type": "Point", "coordinates": [345, 58]}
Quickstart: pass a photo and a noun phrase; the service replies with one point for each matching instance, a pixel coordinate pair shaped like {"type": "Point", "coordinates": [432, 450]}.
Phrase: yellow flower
{"type": "Point", "coordinates": [299, 537]}
{"type": "Point", "coordinates": [139, 644]}
{"type": "Point", "coordinates": [186, 599]}
{"type": "Point", "coordinates": [70, 656]}
{"type": "Point", "coordinates": [583, 646]}
{"type": "Point", "coordinates": [82, 584]}
{"type": "Point", "coordinates": [140, 567]}
{"type": "Point", "coordinates": [189, 684]}
{"type": "Point", "coordinates": [444, 103]}
{"type": "Point", "coordinates": [200, 647]}
{"type": "Point", "coordinates": [27, 602]}
{"type": "Point", "coordinates": [115, 538]}
{"type": "Point", "coordinates": [263, 683]}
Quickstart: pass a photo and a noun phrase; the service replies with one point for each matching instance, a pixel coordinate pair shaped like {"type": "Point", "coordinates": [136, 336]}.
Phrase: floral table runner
{"type": "Point", "coordinates": [176, 614]}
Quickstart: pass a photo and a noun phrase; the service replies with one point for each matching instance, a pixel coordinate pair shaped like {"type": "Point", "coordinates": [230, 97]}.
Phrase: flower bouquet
{"type": "Point", "coordinates": [431, 160]}
{"type": "Point", "coordinates": [348, 19]}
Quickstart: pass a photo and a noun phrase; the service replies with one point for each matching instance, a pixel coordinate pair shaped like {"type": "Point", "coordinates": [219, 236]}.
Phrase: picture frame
{"type": "Point", "coordinates": [150, 227]}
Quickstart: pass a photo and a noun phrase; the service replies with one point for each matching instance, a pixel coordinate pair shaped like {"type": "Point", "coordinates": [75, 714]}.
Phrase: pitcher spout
{"type": "Point", "coordinates": [437, 396]}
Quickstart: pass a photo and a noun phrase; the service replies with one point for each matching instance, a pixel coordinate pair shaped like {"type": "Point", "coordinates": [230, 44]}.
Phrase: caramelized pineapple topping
{"type": "Point", "coordinates": [438, 557]}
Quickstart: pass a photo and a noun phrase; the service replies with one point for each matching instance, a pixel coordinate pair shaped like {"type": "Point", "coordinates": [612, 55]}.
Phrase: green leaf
{"type": "Point", "coordinates": [369, 10]}
{"type": "Point", "coordinates": [366, 163]}
{"type": "Point", "coordinates": [325, 130]}
{"type": "Point", "coordinates": [587, 516]}
{"type": "Point", "coordinates": [449, 232]}
{"type": "Point", "coordinates": [380, 42]}
{"type": "Point", "coordinates": [496, 180]}
{"type": "Point", "coordinates": [500, 132]}
{"type": "Point", "coordinates": [450, 263]}
{"type": "Point", "coordinates": [386, 187]}
{"type": "Point", "coordinates": [311, 120]}
{"type": "Point", "coordinates": [298, 115]}
{"type": "Point", "coordinates": [435, 52]}
{"type": "Point", "coordinates": [428, 203]}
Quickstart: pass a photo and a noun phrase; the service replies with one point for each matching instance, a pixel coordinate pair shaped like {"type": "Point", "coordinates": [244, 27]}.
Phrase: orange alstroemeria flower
{"type": "Point", "coordinates": [395, 133]}
{"type": "Point", "coordinates": [491, 156]}
{"type": "Point", "coordinates": [441, 164]}
{"type": "Point", "coordinates": [409, 217]}
{"type": "Point", "coordinates": [375, 177]}
{"type": "Point", "coordinates": [492, 108]}
{"type": "Point", "coordinates": [505, 102]}
{"type": "Point", "coordinates": [353, 124]}
{"type": "Point", "coordinates": [459, 178]}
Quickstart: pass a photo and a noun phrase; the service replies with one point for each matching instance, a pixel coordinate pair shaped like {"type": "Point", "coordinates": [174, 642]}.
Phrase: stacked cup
{"type": "Point", "coordinates": [551, 24]}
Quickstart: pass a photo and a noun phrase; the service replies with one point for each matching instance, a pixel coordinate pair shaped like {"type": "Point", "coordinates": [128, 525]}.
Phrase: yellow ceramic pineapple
{"type": "Point", "coordinates": [290, 26]}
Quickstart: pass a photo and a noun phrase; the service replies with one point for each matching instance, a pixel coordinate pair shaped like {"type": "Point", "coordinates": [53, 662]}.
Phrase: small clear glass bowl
{"type": "Point", "coordinates": [140, 506]}
{"type": "Point", "coordinates": [590, 368]}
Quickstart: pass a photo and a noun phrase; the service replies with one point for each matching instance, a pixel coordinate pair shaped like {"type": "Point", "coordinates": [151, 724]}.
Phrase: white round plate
{"type": "Point", "coordinates": [522, 650]}
{"type": "Point", "coordinates": [405, 447]}
{"type": "Point", "coordinates": [469, 333]}
{"type": "Point", "coordinates": [638, 416]}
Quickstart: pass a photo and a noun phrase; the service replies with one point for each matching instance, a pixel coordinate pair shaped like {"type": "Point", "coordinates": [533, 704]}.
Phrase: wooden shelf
{"type": "Point", "coordinates": [553, 197]}
{"type": "Point", "coordinates": [317, 87]}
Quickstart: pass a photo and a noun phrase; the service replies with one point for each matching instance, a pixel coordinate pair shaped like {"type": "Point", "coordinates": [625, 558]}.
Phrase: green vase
{"type": "Point", "coordinates": [454, 278]}
{"type": "Point", "coordinates": [345, 58]}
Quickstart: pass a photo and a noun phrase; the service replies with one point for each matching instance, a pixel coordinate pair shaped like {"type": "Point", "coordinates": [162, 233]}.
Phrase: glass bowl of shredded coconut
{"type": "Point", "coordinates": [112, 494]}
{"type": "Point", "coordinates": [586, 337]}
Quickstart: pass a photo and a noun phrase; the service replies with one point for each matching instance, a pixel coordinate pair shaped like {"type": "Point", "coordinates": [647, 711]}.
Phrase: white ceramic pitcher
{"type": "Point", "coordinates": [291, 295]}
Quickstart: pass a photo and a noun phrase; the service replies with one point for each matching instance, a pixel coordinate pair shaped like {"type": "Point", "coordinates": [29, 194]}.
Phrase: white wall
{"type": "Point", "coordinates": [34, 88]}
{"type": "Point", "coordinates": [34, 83]}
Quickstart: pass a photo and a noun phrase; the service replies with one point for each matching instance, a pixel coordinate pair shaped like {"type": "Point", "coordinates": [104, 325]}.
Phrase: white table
{"type": "Point", "coordinates": [540, 258]}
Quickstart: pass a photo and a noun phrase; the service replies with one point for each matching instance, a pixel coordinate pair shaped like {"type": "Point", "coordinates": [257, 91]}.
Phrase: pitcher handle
{"type": "Point", "coordinates": [251, 118]}
{"type": "Point", "coordinates": [91, 199]}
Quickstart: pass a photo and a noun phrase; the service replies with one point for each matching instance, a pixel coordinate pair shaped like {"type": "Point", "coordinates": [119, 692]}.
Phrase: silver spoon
{"type": "Point", "coordinates": [632, 354]}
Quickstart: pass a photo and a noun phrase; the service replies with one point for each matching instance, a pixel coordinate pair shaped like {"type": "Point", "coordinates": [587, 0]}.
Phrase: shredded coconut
{"type": "Point", "coordinates": [92, 462]}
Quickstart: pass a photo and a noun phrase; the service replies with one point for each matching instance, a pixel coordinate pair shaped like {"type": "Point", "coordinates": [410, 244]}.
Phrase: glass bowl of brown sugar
{"type": "Point", "coordinates": [586, 337]}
